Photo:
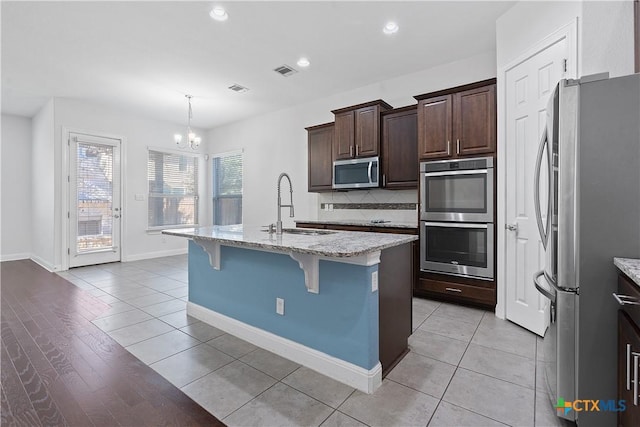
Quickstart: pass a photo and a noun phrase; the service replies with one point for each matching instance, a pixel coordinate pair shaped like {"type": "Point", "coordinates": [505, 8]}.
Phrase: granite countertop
{"type": "Point", "coordinates": [630, 267]}
{"type": "Point", "coordinates": [329, 244]}
{"type": "Point", "coordinates": [362, 223]}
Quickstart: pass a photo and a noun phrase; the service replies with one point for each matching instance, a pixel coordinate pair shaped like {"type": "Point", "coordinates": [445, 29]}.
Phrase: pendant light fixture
{"type": "Point", "coordinates": [193, 140]}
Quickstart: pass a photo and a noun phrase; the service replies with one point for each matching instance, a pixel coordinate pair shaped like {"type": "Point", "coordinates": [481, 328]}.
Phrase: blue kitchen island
{"type": "Point", "coordinates": [336, 291]}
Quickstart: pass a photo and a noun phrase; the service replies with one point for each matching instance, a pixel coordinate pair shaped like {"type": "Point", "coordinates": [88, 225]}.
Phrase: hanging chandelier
{"type": "Point", "coordinates": [193, 140]}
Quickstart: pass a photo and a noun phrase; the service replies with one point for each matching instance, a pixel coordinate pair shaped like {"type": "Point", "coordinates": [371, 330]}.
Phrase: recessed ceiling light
{"type": "Point", "coordinates": [219, 14]}
{"type": "Point", "coordinates": [303, 62]}
{"type": "Point", "coordinates": [390, 28]}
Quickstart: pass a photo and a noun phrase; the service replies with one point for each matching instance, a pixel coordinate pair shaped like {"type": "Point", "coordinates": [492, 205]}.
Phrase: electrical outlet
{"type": "Point", "coordinates": [280, 306]}
{"type": "Point", "coordinates": [374, 281]}
{"type": "Point", "coordinates": [331, 206]}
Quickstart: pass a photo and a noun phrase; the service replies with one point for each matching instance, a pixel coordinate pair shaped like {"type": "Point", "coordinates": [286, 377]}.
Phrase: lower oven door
{"type": "Point", "coordinates": [463, 249]}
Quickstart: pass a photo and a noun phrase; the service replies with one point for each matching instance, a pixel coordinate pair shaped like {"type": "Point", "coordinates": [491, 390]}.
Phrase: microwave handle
{"type": "Point", "coordinates": [369, 172]}
{"type": "Point", "coordinates": [536, 191]}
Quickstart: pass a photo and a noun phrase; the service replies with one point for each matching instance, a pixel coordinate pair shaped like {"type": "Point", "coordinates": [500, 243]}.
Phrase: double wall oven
{"type": "Point", "coordinates": [456, 217]}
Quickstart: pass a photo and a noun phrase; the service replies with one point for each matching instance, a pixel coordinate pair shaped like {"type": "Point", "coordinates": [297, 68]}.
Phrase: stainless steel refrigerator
{"type": "Point", "coordinates": [591, 145]}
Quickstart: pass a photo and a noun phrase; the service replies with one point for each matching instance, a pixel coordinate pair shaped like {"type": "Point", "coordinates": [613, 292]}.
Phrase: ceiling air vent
{"type": "Point", "coordinates": [238, 88]}
{"type": "Point", "coordinates": [285, 70]}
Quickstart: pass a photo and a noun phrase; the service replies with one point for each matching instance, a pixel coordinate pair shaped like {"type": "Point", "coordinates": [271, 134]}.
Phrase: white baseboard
{"type": "Point", "coordinates": [158, 254]}
{"type": "Point", "coordinates": [355, 376]}
{"type": "Point", "coordinates": [44, 264]}
{"type": "Point", "coordinates": [14, 257]}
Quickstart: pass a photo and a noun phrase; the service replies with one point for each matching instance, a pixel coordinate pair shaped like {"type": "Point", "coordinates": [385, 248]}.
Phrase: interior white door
{"type": "Point", "coordinates": [94, 200]}
{"type": "Point", "coordinates": [528, 87]}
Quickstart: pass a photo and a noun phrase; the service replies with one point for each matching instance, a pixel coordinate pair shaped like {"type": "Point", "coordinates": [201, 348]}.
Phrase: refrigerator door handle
{"type": "Point", "coordinates": [547, 293]}
{"type": "Point", "coordinates": [536, 192]}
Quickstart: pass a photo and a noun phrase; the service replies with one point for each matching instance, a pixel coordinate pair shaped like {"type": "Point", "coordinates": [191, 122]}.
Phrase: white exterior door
{"type": "Point", "coordinates": [528, 87]}
{"type": "Point", "coordinates": [94, 200]}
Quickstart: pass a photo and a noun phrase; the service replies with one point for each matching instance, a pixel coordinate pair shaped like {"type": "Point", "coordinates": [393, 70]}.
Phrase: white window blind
{"type": "Point", "coordinates": [227, 189]}
{"type": "Point", "coordinates": [173, 190]}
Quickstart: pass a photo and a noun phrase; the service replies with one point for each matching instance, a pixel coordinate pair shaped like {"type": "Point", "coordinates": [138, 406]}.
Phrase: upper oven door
{"type": "Point", "coordinates": [457, 195]}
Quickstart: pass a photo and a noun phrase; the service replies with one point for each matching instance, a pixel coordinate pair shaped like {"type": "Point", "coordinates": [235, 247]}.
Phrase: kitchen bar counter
{"type": "Point", "coordinates": [362, 223]}
{"type": "Point", "coordinates": [328, 244]}
{"type": "Point", "coordinates": [630, 267]}
{"type": "Point", "coordinates": [338, 302]}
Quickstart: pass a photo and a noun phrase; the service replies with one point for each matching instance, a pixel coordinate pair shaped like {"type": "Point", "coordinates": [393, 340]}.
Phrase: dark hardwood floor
{"type": "Point", "coordinates": [59, 369]}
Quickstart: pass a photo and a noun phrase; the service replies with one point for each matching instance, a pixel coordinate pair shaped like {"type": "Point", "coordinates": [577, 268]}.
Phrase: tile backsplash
{"type": "Point", "coordinates": [397, 205]}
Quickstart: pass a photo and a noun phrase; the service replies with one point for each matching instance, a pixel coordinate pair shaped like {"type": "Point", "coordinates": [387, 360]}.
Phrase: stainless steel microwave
{"type": "Point", "coordinates": [356, 173]}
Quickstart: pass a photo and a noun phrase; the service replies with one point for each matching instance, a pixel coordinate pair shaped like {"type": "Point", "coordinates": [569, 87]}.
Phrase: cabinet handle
{"type": "Point", "coordinates": [351, 151]}
{"type": "Point", "coordinates": [452, 290]}
{"type": "Point", "coordinates": [626, 299]}
{"type": "Point", "coordinates": [457, 146]}
{"type": "Point", "coordinates": [356, 150]}
{"type": "Point", "coordinates": [635, 378]}
{"type": "Point", "coordinates": [448, 148]}
{"type": "Point", "coordinates": [384, 180]}
{"type": "Point", "coordinates": [628, 366]}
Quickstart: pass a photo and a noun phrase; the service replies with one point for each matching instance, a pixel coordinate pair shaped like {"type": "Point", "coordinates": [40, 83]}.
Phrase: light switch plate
{"type": "Point", "coordinates": [280, 306]}
{"type": "Point", "coordinates": [374, 281]}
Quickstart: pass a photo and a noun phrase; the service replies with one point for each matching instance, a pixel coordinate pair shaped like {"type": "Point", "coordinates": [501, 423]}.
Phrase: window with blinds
{"type": "Point", "coordinates": [173, 190]}
{"type": "Point", "coordinates": [227, 189]}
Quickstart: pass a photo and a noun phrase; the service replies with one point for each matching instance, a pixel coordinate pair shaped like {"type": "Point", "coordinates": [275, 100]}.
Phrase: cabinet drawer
{"type": "Point", "coordinates": [629, 289]}
{"type": "Point", "coordinates": [471, 293]}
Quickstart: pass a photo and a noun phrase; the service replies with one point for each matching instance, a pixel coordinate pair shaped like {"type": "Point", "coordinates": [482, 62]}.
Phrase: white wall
{"type": "Point", "coordinates": [607, 37]}
{"type": "Point", "coordinates": [15, 207]}
{"type": "Point", "coordinates": [138, 134]}
{"type": "Point", "coordinates": [42, 188]}
{"type": "Point", "coordinates": [277, 141]}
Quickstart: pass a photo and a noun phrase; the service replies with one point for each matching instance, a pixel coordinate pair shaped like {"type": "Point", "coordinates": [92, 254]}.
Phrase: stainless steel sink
{"type": "Point", "coordinates": [305, 231]}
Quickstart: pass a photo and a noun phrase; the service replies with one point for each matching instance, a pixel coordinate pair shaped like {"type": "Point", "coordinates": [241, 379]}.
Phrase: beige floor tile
{"type": "Point", "coordinates": [162, 346]}
{"type": "Point", "coordinates": [424, 374]}
{"type": "Point", "coordinates": [139, 332]}
{"type": "Point", "coordinates": [491, 397]}
{"type": "Point", "coordinates": [449, 327]}
{"type": "Point", "coordinates": [499, 364]}
{"type": "Point", "coordinates": [191, 364]}
{"type": "Point", "coordinates": [506, 336]}
{"type": "Point", "coordinates": [179, 319]}
{"type": "Point", "coordinates": [231, 345]}
{"type": "Point", "coordinates": [448, 415]}
{"type": "Point", "coordinates": [228, 388]}
{"type": "Point", "coordinates": [437, 347]}
{"type": "Point", "coordinates": [270, 363]}
{"type": "Point", "coordinates": [280, 405]}
{"type": "Point", "coordinates": [391, 405]}
{"type": "Point", "coordinates": [338, 419]}
{"type": "Point", "coordinates": [150, 299]}
{"type": "Point", "coordinates": [459, 312]}
{"type": "Point", "coordinates": [121, 320]}
{"type": "Point", "coordinates": [166, 307]}
{"type": "Point", "coordinates": [202, 331]}
{"type": "Point", "coordinates": [318, 386]}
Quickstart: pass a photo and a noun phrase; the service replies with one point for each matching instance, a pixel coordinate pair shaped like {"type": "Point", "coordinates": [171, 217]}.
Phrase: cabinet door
{"type": "Point", "coordinates": [627, 335]}
{"type": "Point", "coordinates": [434, 127]}
{"type": "Point", "coordinates": [367, 131]}
{"type": "Point", "coordinates": [343, 136]}
{"type": "Point", "coordinates": [400, 150]}
{"type": "Point", "coordinates": [475, 121]}
{"type": "Point", "coordinates": [320, 142]}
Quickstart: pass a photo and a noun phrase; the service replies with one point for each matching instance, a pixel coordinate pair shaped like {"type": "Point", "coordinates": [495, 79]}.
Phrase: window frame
{"type": "Point", "coordinates": [212, 194]}
{"type": "Point", "coordinates": [196, 156]}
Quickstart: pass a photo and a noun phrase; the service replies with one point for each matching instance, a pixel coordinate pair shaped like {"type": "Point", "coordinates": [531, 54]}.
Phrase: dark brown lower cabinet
{"type": "Point", "coordinates": [395, 284]}
{"type": "Point", "coordinates": [629, 354]}
{"type": "Point", "coordinates": [465, 290]}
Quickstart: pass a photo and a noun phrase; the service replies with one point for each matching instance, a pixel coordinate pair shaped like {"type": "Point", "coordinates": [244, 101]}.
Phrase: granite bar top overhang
{"type": "Point", "coordinates": [630, 267]}
{"type": "Point", "coordinates": [334, 244]}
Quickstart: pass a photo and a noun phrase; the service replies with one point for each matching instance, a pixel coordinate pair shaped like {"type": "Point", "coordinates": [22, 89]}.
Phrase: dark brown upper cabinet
{"type": "Point", "coordinates": [399, 148]}
{"type": "Point", "coordinates": [357, 130]}
{"type": "Point", "coordinates": [320, 153]}
{"type": "Point", "coordinates": [457, 122]}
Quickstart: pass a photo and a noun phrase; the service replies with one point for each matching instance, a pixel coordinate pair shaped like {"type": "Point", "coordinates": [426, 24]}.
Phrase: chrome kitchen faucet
{"type": "Point", "coordinates": [280, 205]}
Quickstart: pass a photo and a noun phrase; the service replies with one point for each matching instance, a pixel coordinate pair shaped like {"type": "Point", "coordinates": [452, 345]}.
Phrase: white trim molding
{"type": "Point", "coordinates": [355, 376]}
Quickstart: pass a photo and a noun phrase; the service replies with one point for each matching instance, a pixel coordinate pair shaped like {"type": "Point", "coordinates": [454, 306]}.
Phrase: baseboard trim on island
{"type": "Point", "coordinates": [355, 376]}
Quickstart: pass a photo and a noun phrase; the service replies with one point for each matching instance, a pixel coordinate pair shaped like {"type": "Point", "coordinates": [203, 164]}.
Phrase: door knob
{"type": "Point", "coordinates": [511, 227]}
{"type": "Point", "coordinates": [116, 216]}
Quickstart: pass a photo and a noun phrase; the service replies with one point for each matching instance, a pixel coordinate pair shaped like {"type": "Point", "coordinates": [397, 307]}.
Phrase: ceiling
{"type": "Point", "coordinates": [143, 57]}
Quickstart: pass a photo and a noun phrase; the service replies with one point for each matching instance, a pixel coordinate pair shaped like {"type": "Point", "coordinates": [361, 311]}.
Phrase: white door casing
{"type": "Point", "coordinates": [528, 85]}
{"type": "Point", "coordinates": [95, 209]}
